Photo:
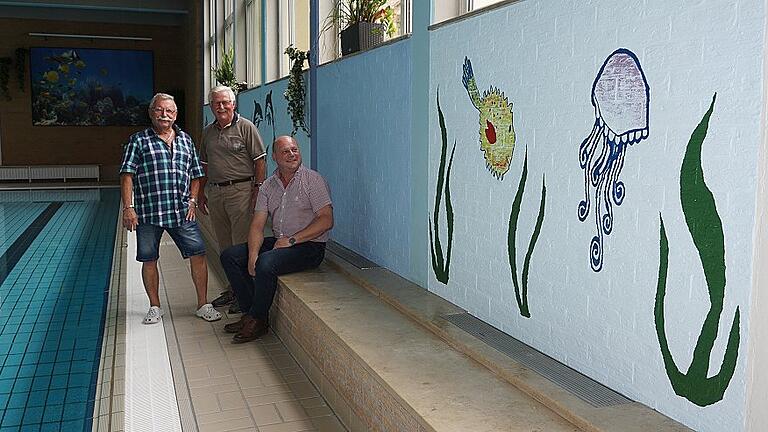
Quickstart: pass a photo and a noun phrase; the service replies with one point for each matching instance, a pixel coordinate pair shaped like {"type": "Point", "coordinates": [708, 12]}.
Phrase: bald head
{"type": "Point", "coordinates": [286, 153]}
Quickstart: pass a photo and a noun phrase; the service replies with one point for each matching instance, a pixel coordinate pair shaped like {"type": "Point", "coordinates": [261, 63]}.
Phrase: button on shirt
{"type": "Point", "coordinates": [161, 177]}
{"type": "Point", "coordinates": [293, 208]}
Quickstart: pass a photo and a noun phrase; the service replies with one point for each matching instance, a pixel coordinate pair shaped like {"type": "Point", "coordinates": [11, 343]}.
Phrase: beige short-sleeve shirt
{"type": "Point", "coordinates": [229, 152]}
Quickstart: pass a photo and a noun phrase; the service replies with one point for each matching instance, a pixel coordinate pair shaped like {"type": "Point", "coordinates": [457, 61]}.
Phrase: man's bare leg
{"type": "Point", "coordinates": [199, 267]}
{"type": "Point", "coordinates": [151, 279]}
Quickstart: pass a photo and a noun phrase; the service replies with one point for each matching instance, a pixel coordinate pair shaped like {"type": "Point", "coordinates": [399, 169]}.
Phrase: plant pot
{"type": "Point", "coordinates": [361, 36]}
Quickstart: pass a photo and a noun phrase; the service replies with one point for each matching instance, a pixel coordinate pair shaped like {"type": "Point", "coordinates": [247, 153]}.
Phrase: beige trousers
{"type": "Point", "coordinates": [230, 210]}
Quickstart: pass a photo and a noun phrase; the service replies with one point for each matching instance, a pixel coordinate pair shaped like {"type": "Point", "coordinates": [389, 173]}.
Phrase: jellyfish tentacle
{"type": "Point", "coordinates": [598, 163]}
{"type": "Point", "coordinates": [618, 190]}
{"type": "Point", "coordinates": [596, 244]}
{"type": "Point", "coordinates": [586, 152]}
{"type": "Point", "coordinates": [587, 147]}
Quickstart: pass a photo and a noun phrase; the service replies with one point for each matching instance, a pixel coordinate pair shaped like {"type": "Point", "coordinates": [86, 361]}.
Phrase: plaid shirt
{"type": "Point", "coordinates": [161, 178]}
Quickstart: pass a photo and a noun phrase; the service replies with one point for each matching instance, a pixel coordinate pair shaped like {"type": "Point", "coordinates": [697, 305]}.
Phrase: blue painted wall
{"type": "Point", "coordinates": [364, 140]}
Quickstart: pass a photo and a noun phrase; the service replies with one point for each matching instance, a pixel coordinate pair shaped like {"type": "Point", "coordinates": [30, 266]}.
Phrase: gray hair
{"type": "Point", "coordinates": [159, 97]}
{"type": "Point", "coordinates": [221, 89]}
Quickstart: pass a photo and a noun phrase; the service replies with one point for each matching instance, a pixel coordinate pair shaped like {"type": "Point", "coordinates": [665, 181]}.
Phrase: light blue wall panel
{"type": "Point", "coordinates": [363, 143]}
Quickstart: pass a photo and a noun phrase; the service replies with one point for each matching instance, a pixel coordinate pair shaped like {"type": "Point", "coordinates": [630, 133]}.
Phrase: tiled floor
{"type": "Point", "coordinates": [248, 387]}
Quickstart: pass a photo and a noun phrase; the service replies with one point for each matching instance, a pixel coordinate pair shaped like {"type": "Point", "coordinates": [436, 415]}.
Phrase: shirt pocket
{"type": "Point", "coordinates": [237, 145]}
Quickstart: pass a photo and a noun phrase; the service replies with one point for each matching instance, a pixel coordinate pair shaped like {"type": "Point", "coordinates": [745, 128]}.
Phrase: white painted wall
{"type": "Point", "coordinates": [757, 375]}
{"type": "Point", "coordinates": [545, 55]}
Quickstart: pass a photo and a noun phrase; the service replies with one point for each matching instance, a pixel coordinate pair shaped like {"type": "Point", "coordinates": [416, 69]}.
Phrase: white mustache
{"type": "Point", "coordinates": [164, 118]}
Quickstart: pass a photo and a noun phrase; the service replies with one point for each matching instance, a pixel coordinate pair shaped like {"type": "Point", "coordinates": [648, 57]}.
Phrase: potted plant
{"type": "Point", "coordinates": [363, 23]}
{"type": "Point", "coordinates": [225, 72]}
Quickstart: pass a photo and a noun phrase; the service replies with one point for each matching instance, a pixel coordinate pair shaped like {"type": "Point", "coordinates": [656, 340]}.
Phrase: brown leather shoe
{"type": "Point", "coordinates": [236, 326]}
{"type": "Point", "coordinates": [252, 329]}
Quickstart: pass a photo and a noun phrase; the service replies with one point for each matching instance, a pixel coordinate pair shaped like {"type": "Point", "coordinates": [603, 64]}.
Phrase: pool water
{"type": "Point", "coordinates": [55, 263]}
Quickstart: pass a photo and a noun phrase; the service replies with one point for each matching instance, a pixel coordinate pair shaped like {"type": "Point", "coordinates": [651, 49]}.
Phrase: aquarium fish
{"type": "Point", "coordinates": [66, 57]}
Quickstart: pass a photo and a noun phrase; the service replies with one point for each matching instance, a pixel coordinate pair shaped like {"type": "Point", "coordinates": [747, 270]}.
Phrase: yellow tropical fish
{"type": "Point", "coordinates": [51, 76]}
{"type": "Point", "coordinates": [497, 133]}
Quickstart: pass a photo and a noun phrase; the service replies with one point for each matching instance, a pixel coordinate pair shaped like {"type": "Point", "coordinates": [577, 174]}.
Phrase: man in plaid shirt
{"type": "Point", "coordinates": [159, 180]}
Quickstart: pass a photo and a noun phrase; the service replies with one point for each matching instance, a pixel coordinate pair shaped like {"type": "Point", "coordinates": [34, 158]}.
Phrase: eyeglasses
{"type": "Point", "coordinates": [163, 111]}
{"type": "Point", "coordinates": [224, 103]}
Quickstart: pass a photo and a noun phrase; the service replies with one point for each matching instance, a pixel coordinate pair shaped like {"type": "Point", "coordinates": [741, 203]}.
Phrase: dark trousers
{"type": "Point", "coordinates": [256, 293]}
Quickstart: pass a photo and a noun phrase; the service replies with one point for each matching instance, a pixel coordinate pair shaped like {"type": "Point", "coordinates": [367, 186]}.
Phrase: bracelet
{"type": "Point", "coordinates": [129, 206]}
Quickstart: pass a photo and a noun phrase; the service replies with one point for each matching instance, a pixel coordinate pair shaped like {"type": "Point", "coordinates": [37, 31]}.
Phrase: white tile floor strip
{"type": "Point", "coordinates": [150, 397]}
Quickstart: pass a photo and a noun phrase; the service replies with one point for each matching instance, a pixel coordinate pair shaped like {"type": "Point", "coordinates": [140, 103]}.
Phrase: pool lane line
{"type": "Point", "coordinates": [11, 257]}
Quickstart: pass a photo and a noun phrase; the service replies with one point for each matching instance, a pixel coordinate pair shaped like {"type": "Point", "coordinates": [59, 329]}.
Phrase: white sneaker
{"type": "Point", "coordinates": [208, 313]}
{"type": "Point", "coordinates": [153, 315]}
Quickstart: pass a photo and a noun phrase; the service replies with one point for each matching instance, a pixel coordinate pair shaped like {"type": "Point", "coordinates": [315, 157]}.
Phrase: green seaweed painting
{"type": "Point", "coordinates": [441, 266]}
{"type": "Point", "coordinates": [521, 288]}
{"type": "Point", "coordinates": [706, 229]}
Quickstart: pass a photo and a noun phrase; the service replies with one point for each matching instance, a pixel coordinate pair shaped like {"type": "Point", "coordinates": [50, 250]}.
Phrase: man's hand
{"type": "Point", "coordinates": [130, 219]}
{"type": "Point", "coordinates": [202, 202]}
{"type": "Point", "coordinates": [282, 242]}
{"type": "Point", "coordinates": [191, 212]}
{"type": "Point", "coordinates": [254, 195]}
{"type": "Point", "coordinates": [252, 264]}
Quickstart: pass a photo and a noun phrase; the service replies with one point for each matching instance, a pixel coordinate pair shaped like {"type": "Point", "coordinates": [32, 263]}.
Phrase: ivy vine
{"type": "Point", "coordinates": [295, 94]}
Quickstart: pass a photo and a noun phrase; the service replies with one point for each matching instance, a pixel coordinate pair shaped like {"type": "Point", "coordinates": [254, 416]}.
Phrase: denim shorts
{"type": "Point", "coordinates": [187, 237]}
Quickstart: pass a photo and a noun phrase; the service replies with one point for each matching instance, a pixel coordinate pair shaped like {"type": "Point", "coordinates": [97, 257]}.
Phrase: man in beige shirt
{"type": "Point", "coordinates": [234, 160]}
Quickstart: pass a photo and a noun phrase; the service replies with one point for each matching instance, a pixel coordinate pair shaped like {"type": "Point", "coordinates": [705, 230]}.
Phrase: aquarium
{"type": "Point", "coordinates": [90, 87]}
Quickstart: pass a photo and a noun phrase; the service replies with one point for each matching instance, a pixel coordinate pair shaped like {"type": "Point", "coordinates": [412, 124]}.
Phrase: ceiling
{"type": "Point", "coordinates": [159, 12]}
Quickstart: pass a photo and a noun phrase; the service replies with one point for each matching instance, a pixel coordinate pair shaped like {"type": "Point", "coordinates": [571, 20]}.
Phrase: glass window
{"type": "Point", "coordinates": [253, 42]}
{"type": "Point", "coordinates": [478, 4]}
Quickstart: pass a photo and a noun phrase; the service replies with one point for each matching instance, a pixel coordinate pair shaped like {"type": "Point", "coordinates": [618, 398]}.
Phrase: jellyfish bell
{"type": "Point", "coordinates": [620, 97]}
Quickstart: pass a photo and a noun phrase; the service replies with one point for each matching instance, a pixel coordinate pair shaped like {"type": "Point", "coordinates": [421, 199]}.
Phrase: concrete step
{"type": "Point", "coordinates": [382, 371]}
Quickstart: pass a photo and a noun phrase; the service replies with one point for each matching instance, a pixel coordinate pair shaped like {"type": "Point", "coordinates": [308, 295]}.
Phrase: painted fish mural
{"type": "Point", "coordinates": [497, 133]}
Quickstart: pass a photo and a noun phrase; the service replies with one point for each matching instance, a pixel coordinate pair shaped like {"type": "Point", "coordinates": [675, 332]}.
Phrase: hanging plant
{"type": "Point", "coordinates": [21, 66]}
{"type": "Point", "coordinates": [5, 74]}
{"type": "Point", "coordinates": [295, 93]}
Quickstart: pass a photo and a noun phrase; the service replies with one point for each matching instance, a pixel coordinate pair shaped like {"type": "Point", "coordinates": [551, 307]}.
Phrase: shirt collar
{"type": "Point", "coordinates": [299, 172]}
{"type": "Point", "coordinates": [175, 127]}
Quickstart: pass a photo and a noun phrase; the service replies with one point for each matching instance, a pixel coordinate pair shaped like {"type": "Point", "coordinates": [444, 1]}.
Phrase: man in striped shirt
{"type": "Point", "coordinates": [298, 201]}
{"type": "Point", "coordinates": [159, 180]}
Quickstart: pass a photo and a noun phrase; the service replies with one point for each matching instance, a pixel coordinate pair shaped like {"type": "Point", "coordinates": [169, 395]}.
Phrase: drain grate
{"type": "Point", "coordinates": [578, 384]}
{"type": "Point", "coordinates": [350, 256]}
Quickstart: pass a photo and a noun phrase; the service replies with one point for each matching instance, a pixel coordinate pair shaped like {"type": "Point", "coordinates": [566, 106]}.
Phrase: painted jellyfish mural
{"type": "Point", "coordinates": [497, 134]}
{"type": "Point", "coordinates": [620, 95]}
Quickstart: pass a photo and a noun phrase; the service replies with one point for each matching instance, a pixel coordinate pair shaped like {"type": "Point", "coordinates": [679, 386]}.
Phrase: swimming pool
{"type": "Point", "coordinates": [55, 259]}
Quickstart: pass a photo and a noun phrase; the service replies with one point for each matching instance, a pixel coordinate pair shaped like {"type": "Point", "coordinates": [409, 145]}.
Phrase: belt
{"type": "Point", "coordinates": [231, 182]}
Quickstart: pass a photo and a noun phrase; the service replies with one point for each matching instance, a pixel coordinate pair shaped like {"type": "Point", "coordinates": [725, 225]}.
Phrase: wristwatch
{"type": "Point", "coordinates": [292, 241]}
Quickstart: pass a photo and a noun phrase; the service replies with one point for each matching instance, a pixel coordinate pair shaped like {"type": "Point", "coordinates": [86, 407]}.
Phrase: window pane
{"type": "Point", "coordinates": [253, 35]}
{"type": "Point", "coordinates": [477, 4]}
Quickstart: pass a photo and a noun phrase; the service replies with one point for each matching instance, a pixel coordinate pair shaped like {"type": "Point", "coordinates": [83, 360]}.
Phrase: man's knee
{"type": "Point", "coordinates": [149, 265]}
{"type": "Point", "coordinates": [266, 264]}
{"type": "Point", "coordinates": [233, 254]}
